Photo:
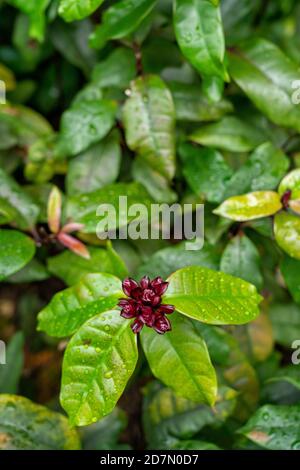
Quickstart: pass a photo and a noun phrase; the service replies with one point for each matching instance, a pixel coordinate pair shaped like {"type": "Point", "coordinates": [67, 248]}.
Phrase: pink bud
{"type": "Point", "coordinates": [54, 209]}
{"type": "Point", "coordinates": [162, 325]}
{"type": "Point", "coordinates": [165, 309]}
{"type": "Point", "coordinates": [74, 245]}
{"type": "Point", "coordinates": [159, 285]}
{"type": "Point", "coordinates": [137, 326]}
{"type": "Point", "coordinates": [128, 285]}
{"type": "Point", "coordinates": [144, 282]}
{"type": "Point", "coordinates": [72, 227]}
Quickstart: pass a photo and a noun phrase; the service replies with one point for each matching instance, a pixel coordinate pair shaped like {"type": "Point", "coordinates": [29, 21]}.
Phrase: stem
{"type": "Point", "coordinates": [138, 58]}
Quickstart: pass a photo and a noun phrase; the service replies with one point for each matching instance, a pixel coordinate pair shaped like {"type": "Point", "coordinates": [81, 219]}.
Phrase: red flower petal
{"type": "Point", "coordinates": [160, 289]}
{"type": "Point", "coordinates": [128, 285]}
{"type": "Point", "coordinates": [137, 293]}
{"type": "Point", "coordinates": [156, 282]}
{"type": "Point", "coordinates": [148, 295]}
{"type": "Point", "coordinates": [144, 303]}
{"type": "Point", "coordinates": [127, 314]}
{"type": "Point", "coordinates": [156, 300]}
{"type": "Point", "coordinates": [147, 315]}
{"type": "Point", "coordinates": [165, 309]}
{"type": "Point", "coordinates": [162, 325]}
{"type": "Point", "coordinates": [144, 282]}
{"type": "Point", "coordinates": [137, 326]}
{"type": "Point", "coordinates": [72, 227]}
{"type": "Point", "coordinates": [74, 245]}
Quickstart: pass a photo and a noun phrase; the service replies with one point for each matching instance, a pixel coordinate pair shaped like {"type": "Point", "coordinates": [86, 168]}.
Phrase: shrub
{"type": "Point", "coordinates": [116, 343]}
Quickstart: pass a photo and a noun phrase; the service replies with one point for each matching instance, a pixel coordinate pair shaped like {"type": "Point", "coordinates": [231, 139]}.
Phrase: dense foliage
{"type": "Point", "coordinates": [162, 101]}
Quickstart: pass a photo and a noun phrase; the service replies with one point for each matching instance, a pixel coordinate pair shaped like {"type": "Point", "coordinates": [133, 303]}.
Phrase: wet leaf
{"type": "Point", "coordinates": [98, 363]}
{"type": "Point", "coordinates": [16, 250]}
{"type": "Point", "coordinates": [250, 206]}
{"type": "Point", "coordinates": [149, 120]}
{"type": "Point", "coordinates": [274, 427]}
{"type": "Point", "coordinates": [212, 297]}
{"type": "Point", "coordinates": [287, 233]}
{"type": "Point", "coordinates": [70, 308]}
{"type": "Point", "coordinates": [195, 377]}
{"type": "Point", "coordinates": [27, 426]}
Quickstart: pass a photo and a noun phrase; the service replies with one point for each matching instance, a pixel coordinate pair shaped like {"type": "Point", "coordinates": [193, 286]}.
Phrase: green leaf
{"type": "Point", "coordinates": [84, 124]}
{"type": "Point", "coordinates": [194, 444]}
{"type": "Point", "coordinates": [71, 10]}
{"type": "Point", "coordinates": [239, 25]}
{"type": "Point", "coordinates": [262, 171]}
{"type": "Point", "coordinates": [274, 427]}
{"type": "Point", "coordinates": [95, 167]}
{"type": "Point", "coordinates": [89, 93]}
{"type": "Point", "coordinates": [195, 377]}
{"type": "Point", "coordinates": [77, 52]}
{"type": "Point", "coordinates": [16, 250]}
{"type": "Point", "coordinates": [250, 206]}
{"type": "Point", "coordinates": [70, 308]}
{"type": "Point", "coordinates": [287, 233]}
{"type": "Point", "coordinates": [199, 32]}
{"type": "Point", "coordinates": [212, 297]}
{"type": "Point", "coordinates": [291, 182]}
{"type": "Point", "coordinates": [7, 76]}
{"type": "Point", "coordinates": [241, 259]}
{"type": "Point", "coordinates": [213, 88]}
{"type": "Point", "coordinates": [16, 203]}
{"type": "Point", "coordinates": [104, 435]}
{"type": "Point", "coordinates": [43, 160]}
{"type": "Point", "coordinates": [289, 374]}
{"type": "Point", "coordinates": [290, 269]}
{"type": "Point", "coordinates": [117, 70]}
{"type": "Point", "coordinates": [10, 373]}
{"type": "Point", "coordinates": [218, 342]}
{"type": "Point", "coordinates": [234, 368]}
{"type": "Point", "coordinates": [9, 139]}
{"type": "Point", "coordinates": [166, 261]}
{"type": "Point", "coordinates": [35, 9]}
{"type": "Point", "coordinates": [39, 193]}
{"type": "Point", "coordinates": [285, 318]}
{"type": "Point", "coordinates": [120, 20]}
{"type": "Point", "coordinates": [34, 271]}
{"type": "Point", "coordinates": [156, 184]}
{"type": "Point", "coordinates": [99, 360]}
{"type": "Point", "coordinates": [256, 338]}
{"type": "Point", "coordinates": [192, 105]}
{"type": "Point", "coordinates": [169, 418]}
{"type": "Point", "coordinates": [71, 268]}
{"type": "Point", "coordinates": [25, 123]}
{"type": "Point", "coordinates": [149, 120]}
{"type": "Point", "coordinates": [282, 388]}
{"type": "Point", "coordinates": [27, 426]}
{"type": "Point", "coordinates": [259, 66]}
{"type": "Point", "coordinates": [229, 134]}
{"type": "Point", "coordinates": [82, 208]}
{"type": "Point", "coordinates": [205, 171]}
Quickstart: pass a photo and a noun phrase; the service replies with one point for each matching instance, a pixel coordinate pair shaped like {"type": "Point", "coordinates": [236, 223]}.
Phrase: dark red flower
{"type": "Point", "coordinates": [145, 281]}
{"type": "Point", "coordinates": [159, 285]}
{"type": "Point", "coordinates": [143, 303]}
{"type": "Point", "coordinates": [162, 325]}
{"type": "Point", "coordinates": [129, 285]}
{"type": "Point", "coordinates": [137, 326]}
{"type": "Point", "coordinates": [165, 309]}
{"type": "Point", "coordinates": [285, 198]}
